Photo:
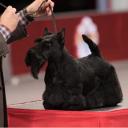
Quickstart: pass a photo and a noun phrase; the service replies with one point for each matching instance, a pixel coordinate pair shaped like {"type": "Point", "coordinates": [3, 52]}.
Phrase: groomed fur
{"type": "Point", "coordinates": [73, 84]}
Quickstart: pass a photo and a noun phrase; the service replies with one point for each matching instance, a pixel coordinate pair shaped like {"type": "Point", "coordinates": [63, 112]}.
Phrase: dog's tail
{"type": "Point", "coordinates": [93, 47]}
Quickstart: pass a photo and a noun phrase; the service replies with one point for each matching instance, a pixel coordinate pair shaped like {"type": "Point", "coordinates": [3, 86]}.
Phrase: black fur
{"type": "Point", "coordinates": [73, 84]}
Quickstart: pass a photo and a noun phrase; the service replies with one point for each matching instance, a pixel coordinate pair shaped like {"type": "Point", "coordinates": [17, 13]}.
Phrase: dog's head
{"type": "Point", "coordinates": [48, 46]}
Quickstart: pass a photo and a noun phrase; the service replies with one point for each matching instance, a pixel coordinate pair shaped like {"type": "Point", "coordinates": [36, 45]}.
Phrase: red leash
{"type": "Point", "coordinates": [26, 102]}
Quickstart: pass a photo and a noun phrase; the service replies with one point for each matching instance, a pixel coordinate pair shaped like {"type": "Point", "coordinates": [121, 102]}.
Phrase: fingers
{"type": "Point", "coordinates": [49, 5]}
{"type": "Point", "coordinates": [48, 11]}
{"type": "Point", "coordinates": [11, 9]}
{"type": "Point", "coordinates": [9, 18]}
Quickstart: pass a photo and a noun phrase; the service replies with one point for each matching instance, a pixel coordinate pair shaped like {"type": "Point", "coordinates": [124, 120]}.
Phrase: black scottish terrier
{"type": "Point", "coordinates": [73, 84]}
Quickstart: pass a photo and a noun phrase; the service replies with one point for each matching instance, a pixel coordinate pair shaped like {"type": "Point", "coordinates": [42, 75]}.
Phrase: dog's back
{"type": "Point", "coordinates": [107, 90]}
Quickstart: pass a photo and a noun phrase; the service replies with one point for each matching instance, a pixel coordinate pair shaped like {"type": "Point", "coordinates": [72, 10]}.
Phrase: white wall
{"type": "Point", "coordinates": [119, 5]}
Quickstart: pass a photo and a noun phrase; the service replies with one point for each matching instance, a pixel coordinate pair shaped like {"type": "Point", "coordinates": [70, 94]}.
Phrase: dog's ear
{"type": "Point", "coordinates": [63, 33]}
{"type": "Point", "coordinates": [61, 36]}
{"type": "Point", "coordinates": [38, 40]}
{"type": "Point", "coordinates": [28, 58]}
{"type": "Point", "coordinates": [46, 31]}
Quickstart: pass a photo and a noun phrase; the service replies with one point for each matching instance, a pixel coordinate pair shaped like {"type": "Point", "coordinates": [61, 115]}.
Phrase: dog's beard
{"type": "Point", "coordinates": [35, 62]}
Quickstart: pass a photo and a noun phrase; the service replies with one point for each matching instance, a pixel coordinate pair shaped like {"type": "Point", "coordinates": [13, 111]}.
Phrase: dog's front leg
{"type": "Point", "coordinates": [76, 102]}
{"type": "Point", "coordinates": [74, 98]}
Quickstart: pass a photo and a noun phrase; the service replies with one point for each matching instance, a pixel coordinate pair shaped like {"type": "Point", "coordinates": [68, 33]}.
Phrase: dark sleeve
{"type": "Point", "coordinates": [21, 31]}
{"type": "Point", "coordinates": [3, 46]}
{"type": "Point", "coordinates": [18, 34]}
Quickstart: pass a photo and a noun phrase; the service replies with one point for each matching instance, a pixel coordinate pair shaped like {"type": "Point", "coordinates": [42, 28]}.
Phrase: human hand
{"type": "Point", "coordinates": [47, 7]}
{"type": "Point", "coordinates": [9, 18]}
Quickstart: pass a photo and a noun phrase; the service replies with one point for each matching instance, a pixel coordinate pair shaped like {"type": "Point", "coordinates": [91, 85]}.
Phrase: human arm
{"type": "Point", "coordinates": [16, 29]}
{"type": "Point", "coordinates": [3, 46]}
{"type": "Point", "coordinates": [6, 27]}
{"type": "Point", "coordinates": [46, 8]}
{"type": "Point", "coordinates": [25, 18]}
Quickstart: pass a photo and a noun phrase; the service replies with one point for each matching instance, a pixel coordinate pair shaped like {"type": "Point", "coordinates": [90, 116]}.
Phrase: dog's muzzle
{"type": "Point", "coordinates": [35, 61]}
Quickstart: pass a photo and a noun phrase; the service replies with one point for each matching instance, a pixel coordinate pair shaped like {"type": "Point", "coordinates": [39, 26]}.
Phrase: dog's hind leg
{"type": "Point", "coordinates": [112, 90]}
{"type": "Point", "coordinates": [95, 98]}
{"type": "Point", "coordinates": [75, 102]}
{"type": "Point", "coordinates": [106, 94]}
